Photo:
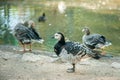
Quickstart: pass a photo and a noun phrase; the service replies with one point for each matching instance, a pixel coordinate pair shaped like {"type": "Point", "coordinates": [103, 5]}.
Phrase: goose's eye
{"type": "Point", "coordinates": [57, 36]}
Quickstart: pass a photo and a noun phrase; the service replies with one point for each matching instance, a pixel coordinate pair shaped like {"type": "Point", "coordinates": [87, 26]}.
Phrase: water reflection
{"type": "Point", "coordinates": [75, 15]}
{"type": "Point", "coordinates": [10, 16]}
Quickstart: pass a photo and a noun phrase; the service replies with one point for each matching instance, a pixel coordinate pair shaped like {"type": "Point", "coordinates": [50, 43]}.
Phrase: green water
{"type": "Point", "coordinates": [103, 21]}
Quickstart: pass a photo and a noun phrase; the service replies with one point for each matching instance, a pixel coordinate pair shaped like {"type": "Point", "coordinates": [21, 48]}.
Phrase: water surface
{"type": "Point", "coordinates": [100, 19]}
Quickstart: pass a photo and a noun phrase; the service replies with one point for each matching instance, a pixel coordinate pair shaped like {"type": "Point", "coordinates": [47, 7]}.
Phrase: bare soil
{"type": "Point", "coordinates": [40, 65]}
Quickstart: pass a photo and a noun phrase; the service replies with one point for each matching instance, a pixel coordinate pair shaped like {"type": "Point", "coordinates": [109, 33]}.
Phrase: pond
{"type": "Point", "coordinates": [67, 17]}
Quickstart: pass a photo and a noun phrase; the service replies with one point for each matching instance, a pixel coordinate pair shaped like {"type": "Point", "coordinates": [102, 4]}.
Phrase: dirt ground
{"type": "Point", "coordinates": [41, 65]}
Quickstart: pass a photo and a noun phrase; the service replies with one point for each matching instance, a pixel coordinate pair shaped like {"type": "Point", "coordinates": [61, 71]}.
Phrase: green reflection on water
{"type": "Point", "coordinates": [105, 22]}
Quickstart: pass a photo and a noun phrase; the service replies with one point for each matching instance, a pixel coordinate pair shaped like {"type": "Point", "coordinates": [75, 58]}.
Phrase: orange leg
{"type": "Point", "coordinates": [24, 48]}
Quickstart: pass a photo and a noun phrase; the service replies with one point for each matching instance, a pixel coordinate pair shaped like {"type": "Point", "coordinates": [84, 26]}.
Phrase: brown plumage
{"type": "Point", "coordinates": [25, 33]}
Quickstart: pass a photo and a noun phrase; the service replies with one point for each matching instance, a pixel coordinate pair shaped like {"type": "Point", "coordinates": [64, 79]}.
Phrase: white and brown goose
{"type": "Point", "coordinates": [26, 33]}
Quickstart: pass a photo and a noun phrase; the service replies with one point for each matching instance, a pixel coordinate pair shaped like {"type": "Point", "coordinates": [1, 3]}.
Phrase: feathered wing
{"type": "Point", "coordinates": [35, 34]}
{"type": "Point", "coordinates": [23, 33]}
{"type": "Point", "coordinates": [93, 39]}
{"type": "Point", "coordinates": [74, 48]}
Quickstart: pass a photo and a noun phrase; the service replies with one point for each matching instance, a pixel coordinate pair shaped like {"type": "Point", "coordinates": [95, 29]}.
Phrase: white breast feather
{"type": "Point", "coordinates": [69, 57]}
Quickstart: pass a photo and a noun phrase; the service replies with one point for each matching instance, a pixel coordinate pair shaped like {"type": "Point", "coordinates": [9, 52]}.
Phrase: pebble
{"type": "Point", "coordinates": [115, 65]}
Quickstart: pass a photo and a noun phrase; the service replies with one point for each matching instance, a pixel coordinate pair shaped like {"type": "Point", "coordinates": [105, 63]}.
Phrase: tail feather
{"type": "Point", "coordinates": [108, 43]}
{"type": "Point", "coordinates": [93, 54]}
{"type": "Point", "coordinates": [38, 41]}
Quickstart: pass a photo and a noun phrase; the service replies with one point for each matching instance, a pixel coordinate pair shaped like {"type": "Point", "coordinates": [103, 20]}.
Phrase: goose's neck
{"type": "Point", "coordinates": [62, 41]}
{"type": "Point", "coordinates": [87, 33]}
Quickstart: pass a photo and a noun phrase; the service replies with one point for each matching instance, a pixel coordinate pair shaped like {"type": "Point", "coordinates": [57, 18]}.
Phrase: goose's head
{"type": "Point", "coordinates": [86, 30]}
{"type": "Point", "coordinates": [60, 37]}
{"type": "Point", "coordinates": [29, 23]}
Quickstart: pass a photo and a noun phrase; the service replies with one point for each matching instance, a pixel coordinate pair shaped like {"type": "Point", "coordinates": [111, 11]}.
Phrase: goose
{"type": "Point", "coordinates": [94, 41]}
{"type": "Point", "coordinates": [25, 33]}
{"type": "Point", "coordinates": [70, 51]}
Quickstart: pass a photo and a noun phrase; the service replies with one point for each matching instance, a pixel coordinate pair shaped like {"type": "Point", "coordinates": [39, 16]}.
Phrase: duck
{"type": "Point", "coordinates": [94, 41]}
{"type": "Point", "coordinates": [42, 18]}
{"type": "Point", "coordinates": [25, 33]}
{"type": "Point", "coordinates": [70, 51]}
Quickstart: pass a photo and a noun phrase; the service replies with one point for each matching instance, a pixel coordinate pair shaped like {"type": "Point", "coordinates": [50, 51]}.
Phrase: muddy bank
{"type": "Point", "coordinates": [41, 65]}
